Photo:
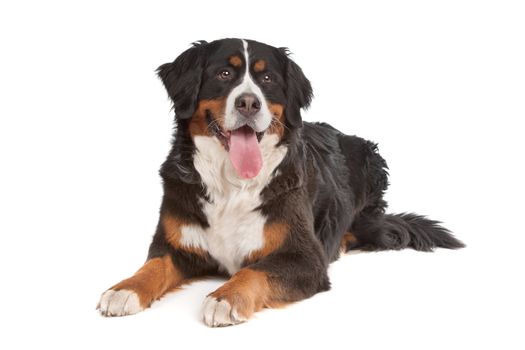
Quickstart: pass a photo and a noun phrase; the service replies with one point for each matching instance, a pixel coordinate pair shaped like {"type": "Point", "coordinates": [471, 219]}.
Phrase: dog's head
{"type": "Point", "coordinates": [237, 90]}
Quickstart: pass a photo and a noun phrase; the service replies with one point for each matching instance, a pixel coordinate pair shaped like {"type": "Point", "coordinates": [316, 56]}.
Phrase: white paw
{"type": "Point", "coordinates": [119, 303]}
{"type": "Point", "coordinates": [217, 313]}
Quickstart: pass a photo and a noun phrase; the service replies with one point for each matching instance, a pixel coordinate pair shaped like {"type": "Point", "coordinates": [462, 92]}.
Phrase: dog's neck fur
{"type": "Point", "coordinates": [235, 228]}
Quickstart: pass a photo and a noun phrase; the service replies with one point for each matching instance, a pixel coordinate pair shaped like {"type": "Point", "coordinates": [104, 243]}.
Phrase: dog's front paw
{"type": "Point", "coordinates": [119, 303]}
{"type": "Point", "coordinates": [220, 313]}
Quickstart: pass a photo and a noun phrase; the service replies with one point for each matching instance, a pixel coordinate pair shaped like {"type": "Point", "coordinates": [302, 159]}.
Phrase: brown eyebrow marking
{"type": "Point", "coordinates": [259, 66]}
{"type": "Point", "coordinates": [235, 61]}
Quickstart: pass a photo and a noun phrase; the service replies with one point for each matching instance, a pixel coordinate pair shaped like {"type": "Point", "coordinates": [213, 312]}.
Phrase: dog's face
{"type": "Point", "coordinates": [237, 91]}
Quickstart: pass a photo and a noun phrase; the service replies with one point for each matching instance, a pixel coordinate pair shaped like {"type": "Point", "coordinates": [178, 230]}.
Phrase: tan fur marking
{"type": "Point", "coordinates": [198, 123]}
{"type": "Point", "coordinates": [154, 278]}
{"type": "Point", "coordinates": [172, 229]}
{"type": "Point", "coordinates": [259, 66]}
{"type": "Point", "coordinates": [277, 125]}
{"type": "Point", "coordinates": [274, 236]}
{"type": "Point", "coordinates": [248, 291]}
{"type": "Point", "coordinates": [235, 61]}
{"type": "Point", "coordinates": [348, 240]}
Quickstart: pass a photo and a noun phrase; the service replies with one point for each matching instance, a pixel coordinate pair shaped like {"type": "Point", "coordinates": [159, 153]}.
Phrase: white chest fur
{"type": "Point", "coordinates": [236, 228]}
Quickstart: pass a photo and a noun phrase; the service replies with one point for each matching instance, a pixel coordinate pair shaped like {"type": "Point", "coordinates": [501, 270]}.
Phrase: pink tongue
{"type": "Point", "coordinates": [245, 153]}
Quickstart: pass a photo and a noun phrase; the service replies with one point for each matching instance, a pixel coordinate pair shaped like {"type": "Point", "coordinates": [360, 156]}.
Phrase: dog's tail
{"type": "Point", "coordinates": [399, 231]}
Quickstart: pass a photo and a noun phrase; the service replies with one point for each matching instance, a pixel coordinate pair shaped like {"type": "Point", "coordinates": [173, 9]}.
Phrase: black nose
{"type": "Point", "coordinates": [247, 104]}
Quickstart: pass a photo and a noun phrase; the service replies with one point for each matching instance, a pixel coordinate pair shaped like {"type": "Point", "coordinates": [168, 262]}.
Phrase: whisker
{"type": "Point", "coordinates": [276, 120]}
{"type": "Point", "coordinates": [214, 123]}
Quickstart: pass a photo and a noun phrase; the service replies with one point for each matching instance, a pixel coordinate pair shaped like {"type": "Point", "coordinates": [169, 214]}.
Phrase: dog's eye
{"type": "Point", "coordinates": [224, 75]}
{"type": "Point", "coordinates": [267, 78]}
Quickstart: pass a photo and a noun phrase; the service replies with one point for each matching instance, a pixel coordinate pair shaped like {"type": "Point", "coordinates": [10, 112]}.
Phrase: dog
{"type": "Point", "coordinates": [254, 193]}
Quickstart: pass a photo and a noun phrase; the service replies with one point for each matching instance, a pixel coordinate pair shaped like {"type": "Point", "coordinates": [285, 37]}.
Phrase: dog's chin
{"type": "Point", "coordinates": [242, 145]}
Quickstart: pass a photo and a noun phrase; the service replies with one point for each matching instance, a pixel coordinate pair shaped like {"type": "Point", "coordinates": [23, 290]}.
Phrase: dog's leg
{"type": "Point", "coordinates": [170, 263]}
{"type": "Point", "coordinates": [273, 281]}
{"type": "Point", "coordinates": [156, 277]}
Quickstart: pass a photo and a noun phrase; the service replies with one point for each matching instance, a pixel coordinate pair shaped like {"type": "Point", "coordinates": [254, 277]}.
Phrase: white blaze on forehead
{"type": "Point", "coordinates": [246, 57]}
{"type": "Point", "coordinates": [233, 119]}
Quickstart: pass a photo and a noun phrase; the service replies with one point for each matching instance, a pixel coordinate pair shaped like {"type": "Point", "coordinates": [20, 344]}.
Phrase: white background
{"type": "Point", "coordinates": [85, 125]}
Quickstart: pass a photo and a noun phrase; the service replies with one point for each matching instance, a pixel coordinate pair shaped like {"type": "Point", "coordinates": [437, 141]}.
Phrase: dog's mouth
{"type": "Point", "coordinates": [243, 147]}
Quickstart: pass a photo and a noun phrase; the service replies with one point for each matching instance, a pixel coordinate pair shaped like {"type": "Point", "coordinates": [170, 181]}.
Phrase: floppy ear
{"type": "Point", "coordinates": [182, 79]}
{"type": "Point", "coordinates": [298, 92]}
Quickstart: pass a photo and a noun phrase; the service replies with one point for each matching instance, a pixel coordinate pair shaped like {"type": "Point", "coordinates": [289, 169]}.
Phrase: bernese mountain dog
{"type": "Point", "coordinates": [254, 193]}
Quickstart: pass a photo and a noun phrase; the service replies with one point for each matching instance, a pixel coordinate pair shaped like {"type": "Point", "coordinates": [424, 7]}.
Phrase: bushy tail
{"type": "Point", "coordinates": [399, 231]}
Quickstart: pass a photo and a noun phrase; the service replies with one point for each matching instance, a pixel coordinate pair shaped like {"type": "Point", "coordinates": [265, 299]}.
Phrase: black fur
{"type": "Point", "coordinates": [299, 92]}
{"type": "Point", "coordinates": [328, 184]}
{"type": "Point", "coordinates": [399, 231]}
{"type": "Point", "coordinates": [182, 79]}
